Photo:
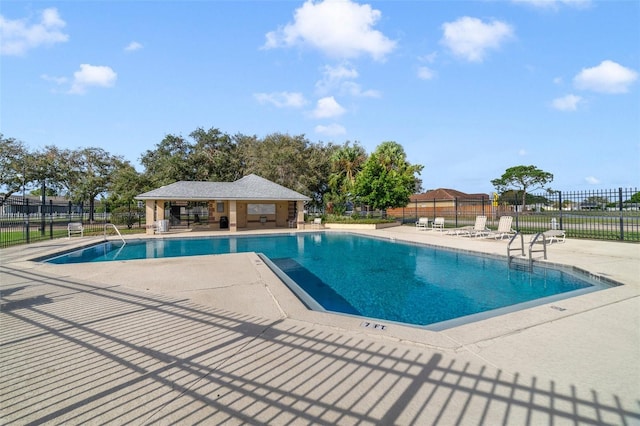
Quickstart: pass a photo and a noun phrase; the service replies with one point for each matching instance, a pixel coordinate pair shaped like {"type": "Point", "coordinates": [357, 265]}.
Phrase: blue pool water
{"type": "Point", "coordinates": [376, 278]}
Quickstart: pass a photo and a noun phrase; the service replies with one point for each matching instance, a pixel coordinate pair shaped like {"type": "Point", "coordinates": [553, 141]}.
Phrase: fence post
{"type": "Point", "coordinates": [26, 224]}
{"type": "Point", "coordinates": [43, 207]}
{"type": "Point", "coordinates": [560, 207]}
{"type": "Point", "coordinates": [104, 219]}
{"type": "Point", "coordinates": [51, 219]}
{"type": "Point", "coordinates": [515, 205]}
{"type": "Point", "coordinates": [621, 214]}
{"type": "Point", "coordinates": [455, 209]}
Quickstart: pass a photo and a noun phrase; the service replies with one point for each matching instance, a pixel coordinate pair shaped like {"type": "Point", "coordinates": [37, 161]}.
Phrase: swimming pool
{"type": "Point", "coordinates": [372, 277]}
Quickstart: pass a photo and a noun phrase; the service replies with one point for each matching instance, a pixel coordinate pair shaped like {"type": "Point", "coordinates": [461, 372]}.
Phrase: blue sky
{"type": "Point", "coordinates": [468, 88]}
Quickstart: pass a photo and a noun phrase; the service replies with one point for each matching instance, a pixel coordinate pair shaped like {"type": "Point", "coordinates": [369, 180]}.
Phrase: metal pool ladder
{"type": "Point", "coordinates": [510, 249]}
{"type": "Point", "coordinates": [117, 231]}
{"type": "Point", "coordinates": [531, 250]}
{"type": "Point", "coordinates": [534, 240]}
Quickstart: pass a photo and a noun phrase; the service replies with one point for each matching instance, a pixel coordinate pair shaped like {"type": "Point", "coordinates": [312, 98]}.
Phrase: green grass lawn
{"type": "Point", "coordinates": [17, 235]}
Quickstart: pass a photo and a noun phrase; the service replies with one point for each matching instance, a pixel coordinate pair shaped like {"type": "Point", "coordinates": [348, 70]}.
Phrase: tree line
{"type": "Point", "coordinates": [332, 175]}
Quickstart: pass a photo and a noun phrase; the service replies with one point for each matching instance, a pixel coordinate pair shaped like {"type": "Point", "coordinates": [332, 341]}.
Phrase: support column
{"type": "Point", "coordinates": [150, 216]}
{"type": "Point", "coordinates": [233, 216]}
{"type": "Point", "coordinates": [300, 218]}
{"type": "Point", "coordinates": [154, 212]}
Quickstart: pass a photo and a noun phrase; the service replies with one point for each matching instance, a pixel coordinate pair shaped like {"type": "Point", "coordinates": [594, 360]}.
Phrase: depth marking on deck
{"type": "Point", "coordinates": [558, 308]}
{"type": "Point", "coordinates": [367, 324]}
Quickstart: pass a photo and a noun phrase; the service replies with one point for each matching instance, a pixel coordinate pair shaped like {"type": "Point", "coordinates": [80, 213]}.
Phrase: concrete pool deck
{"type": "Point", "coordinates": [120, 342]}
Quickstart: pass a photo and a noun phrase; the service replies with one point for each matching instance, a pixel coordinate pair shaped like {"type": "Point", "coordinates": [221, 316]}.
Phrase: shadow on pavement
{"type": "Point", "coordinates": [78, 353]}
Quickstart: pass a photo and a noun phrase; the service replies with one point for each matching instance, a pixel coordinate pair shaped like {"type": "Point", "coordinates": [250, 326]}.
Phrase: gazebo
{"type": "Point", "coordinates": [248, 203]}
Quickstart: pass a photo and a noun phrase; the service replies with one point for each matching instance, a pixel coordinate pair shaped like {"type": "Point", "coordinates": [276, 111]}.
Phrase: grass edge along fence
{"type": "Point", "coordinates": [23, 221]}
{"type": "Point", "coordinates": [598, 214]}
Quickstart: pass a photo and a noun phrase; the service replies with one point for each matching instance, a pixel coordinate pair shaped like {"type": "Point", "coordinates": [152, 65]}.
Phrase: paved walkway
{"type": "Point", "coordinates": [119, 343]}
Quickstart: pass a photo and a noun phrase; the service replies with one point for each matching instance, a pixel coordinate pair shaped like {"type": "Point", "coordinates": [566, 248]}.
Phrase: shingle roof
{"type": "Point", "coordinates": [444, 194]}
{"type": "Point", "coordinates": [251, 187]}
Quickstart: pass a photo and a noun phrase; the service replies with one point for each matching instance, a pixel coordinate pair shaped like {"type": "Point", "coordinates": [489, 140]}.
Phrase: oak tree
{"type": "Point", "coordinates": [523, 178]}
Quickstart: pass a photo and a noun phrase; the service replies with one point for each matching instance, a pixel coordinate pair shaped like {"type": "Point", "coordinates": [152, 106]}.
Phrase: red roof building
{"type": "Point", "coordinates": [442, 202]}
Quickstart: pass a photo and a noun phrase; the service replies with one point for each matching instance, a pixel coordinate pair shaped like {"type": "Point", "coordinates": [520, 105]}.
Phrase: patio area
{"type": "Point", "coordinates": [120, 342]}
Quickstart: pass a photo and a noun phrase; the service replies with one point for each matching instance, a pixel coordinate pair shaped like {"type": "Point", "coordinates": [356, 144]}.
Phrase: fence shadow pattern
{"type": "Point", "coordinates": [76, 353]}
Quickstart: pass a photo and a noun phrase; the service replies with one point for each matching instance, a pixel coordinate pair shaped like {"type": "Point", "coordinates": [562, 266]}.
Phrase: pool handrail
{"type": "Point", "coordinates": [534, 240]}
{"type": "Point", "coordinates": [117, 231]}
{"type": "Point", "coordinates": [510, 249]}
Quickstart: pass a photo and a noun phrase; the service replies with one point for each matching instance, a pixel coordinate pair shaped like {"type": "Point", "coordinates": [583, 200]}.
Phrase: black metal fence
{"type": "Point", "coordinates": [600, 214]}
{"type": "Point", "coordinates": [23, 221]}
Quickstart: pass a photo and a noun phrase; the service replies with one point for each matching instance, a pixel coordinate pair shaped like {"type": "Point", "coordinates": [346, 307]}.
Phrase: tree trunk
{"type": "Point", "coordinates": [91, 209]}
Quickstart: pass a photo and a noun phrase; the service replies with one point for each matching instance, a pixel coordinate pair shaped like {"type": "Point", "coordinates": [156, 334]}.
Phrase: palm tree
{"type": "Point", "coordinates": [346, 162]}
{"type": "Point", "coordinates": [391, 155]}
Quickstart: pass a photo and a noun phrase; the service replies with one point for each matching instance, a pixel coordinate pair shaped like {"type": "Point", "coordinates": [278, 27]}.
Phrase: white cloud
{"type": "Point", "coordinates": [567, 103]}
{"type": "Point", "coordinates": [430, 58]}
{"type": "Point", "coordinates": [591, 180]}
{"type": "Point", "coordinates": [92, 75]}
{"type": "Point", "coordinates": [338, 28]}
{"type": "Point", "coordinates": [18, 36]}
{"type": "Point", "coordinates": [333, 77]}
{"type": "Point", "coordinates": [608, 77]}
{"type": "Point", "coordinates": [354, 89]}
{"type": "Point", "coordinates": [554, 4]}
{"type": "Point", "coordinates": [282, 99]}
{"type": "Point", "coordinates": [522, 152]}
{"type": "Point", "coordinates": [470, 38]}
{"type": "Point", "coordinates": [425, 73]}
{"type": "Point", "coordinates": [133, 46]}
{"type": "Point", "coordinates": [328, 107]}
{"type": "Point", "coordinates": [56, 80]}
{"type": "Point", "coordinates": [339, 72]}
{"type": "Point", "coordinates": [339, 78]}
{"type": "Point", "coordinates": [331, 130]}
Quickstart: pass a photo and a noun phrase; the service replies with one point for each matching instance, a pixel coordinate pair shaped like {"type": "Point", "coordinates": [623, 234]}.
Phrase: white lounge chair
{"type": "Point", "coordinates": [75, 228]}
{"type": "Point", "coordinates": [317, 222]}
{"type": "Point", "coordinates": [477, 230]}
{"type": "Point", "coordinates": [555, 235]}
{"type": "Point", "coordinates": [438, 224]}
{"type": "Point", "coordinates": [480, 228]}
{"type": "Point", "coordinates": [422, 223]}
{"type": "Point", "coordinates": [463, 230]}
{"type": "Point", "coordinates": [504, 228]}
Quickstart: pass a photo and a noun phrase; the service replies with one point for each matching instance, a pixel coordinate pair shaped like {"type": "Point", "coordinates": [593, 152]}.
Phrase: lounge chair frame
{"type": "Point", "coordinates": [555, 235]}
{"type": "Point", "coordinates": [504, 228]}
{"type": "Point", "coordinates": [479, 229]}
{"type": "Point", "coordinates": [423, 223]}
{"type": "Point", "coordinates": [75, 228]}
{"type": "Point", "coordinates": [438, 224]}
